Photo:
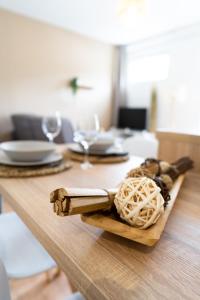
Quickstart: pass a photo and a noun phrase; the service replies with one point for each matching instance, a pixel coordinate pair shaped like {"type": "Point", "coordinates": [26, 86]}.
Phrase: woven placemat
{"type": "Point", "coordinates": [17, 172]}
{"type": "Point", "coordinates": [97, 159]}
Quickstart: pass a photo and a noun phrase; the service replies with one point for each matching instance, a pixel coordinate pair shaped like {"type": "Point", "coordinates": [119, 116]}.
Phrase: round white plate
{"type": "Point", "coordinates": [109, 152]}
{"type": "Point", "coordinates": [28, 151]}
{"type": "Point", "coordinates": [53, 158]}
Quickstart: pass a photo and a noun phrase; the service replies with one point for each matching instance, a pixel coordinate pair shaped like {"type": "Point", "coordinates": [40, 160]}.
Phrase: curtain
{"type": "Point", "coordinates": [119, 97]}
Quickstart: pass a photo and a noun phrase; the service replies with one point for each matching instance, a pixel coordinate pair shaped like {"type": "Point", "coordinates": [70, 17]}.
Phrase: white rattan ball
{"type": "Point", "coordinates": [139, 202]}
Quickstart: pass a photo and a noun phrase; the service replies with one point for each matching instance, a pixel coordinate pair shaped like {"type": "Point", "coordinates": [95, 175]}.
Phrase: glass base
{"type": "Point", "coordinates": [86, 165]}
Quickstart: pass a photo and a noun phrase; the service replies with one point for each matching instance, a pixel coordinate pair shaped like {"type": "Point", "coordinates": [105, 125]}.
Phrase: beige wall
{"type": "Point", "coordinates": [36, 62]}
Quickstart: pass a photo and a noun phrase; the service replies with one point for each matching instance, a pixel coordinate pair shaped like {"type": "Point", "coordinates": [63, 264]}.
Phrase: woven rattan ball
{"type": "Point", "coordinates": [140, 172]}
{"type": "Point", "coordinates": [139, 202]}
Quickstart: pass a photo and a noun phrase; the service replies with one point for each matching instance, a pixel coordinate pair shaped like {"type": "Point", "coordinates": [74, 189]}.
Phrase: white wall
{"type": "Point", "coordinates": [179, 95]}
{"type": "Point", "coordinates": [36, 63]}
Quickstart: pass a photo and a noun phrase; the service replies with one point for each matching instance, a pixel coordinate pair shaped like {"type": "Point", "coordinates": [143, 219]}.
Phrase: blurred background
{"type": "Point", "coordinates": [130, 54]}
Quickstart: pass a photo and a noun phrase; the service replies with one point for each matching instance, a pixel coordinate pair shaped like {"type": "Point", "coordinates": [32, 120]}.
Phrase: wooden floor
{"type": "Point", "coordinates": [39, 287]}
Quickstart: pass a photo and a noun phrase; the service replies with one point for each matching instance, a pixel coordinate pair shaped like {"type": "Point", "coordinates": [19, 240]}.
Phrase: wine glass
{"type": "Point", "coordinates": [51, 126]}
{"type": "Point", "coordinates": [86, 134]}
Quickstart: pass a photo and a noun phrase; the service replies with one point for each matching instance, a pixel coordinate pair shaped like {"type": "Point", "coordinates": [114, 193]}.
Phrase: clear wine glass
{"type": "Point", "coordinates": [51, 126]}
{"type": "Point", "coordinates": [86, 134]}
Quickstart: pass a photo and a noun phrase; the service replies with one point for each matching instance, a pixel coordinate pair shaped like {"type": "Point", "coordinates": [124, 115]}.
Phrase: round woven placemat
{"type": "Point", "coordinates": [17, 172]}
{"type": "Point", "coordinates": [97, 159]}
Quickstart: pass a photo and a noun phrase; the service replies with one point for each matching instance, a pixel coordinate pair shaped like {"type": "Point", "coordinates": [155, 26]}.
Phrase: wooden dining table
{"type": "Point", "coordinates": [102, 265]}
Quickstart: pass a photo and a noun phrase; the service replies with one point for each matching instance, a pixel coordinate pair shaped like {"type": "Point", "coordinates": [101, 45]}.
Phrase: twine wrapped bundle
{"type": "Point", "coordinates": [139, 202]}
{"type": "Point", "coordinates": [72, 201]}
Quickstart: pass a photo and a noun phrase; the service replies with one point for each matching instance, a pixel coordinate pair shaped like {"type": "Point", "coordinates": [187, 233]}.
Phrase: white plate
{"type": "Point", "coordinates": [112, 151]}
{"type": "Point", "coordinates": [103, 143]}
{"type": "Point", "coordinates": [26, 151]}
{"type": "Point", "coordinates": [52, 158]}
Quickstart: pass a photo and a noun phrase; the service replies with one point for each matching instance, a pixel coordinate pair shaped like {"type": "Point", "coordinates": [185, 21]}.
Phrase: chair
{"type": "Point", "coordinates": [173, 145]}
{"type": "Point", "coordinates": [141, 145]}
{"type": "Point", "coordinates": [28, 127]}
{"type": "Point", "coordinates": [5, 290]}
{"type": "Point", "coordinates": [4, 286]}
{"type": "Point", "coordinates": [21, 253]}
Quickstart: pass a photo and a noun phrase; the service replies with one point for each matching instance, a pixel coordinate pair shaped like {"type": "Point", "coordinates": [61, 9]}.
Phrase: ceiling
{"type": "Point", "coordinates": [99, 19]}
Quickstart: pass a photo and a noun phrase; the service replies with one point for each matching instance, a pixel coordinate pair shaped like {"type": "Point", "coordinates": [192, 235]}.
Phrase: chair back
{"type": "Point", "coordinates": [174, 145]}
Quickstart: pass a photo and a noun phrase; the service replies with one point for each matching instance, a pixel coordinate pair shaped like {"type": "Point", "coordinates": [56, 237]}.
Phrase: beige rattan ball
{"type": "Point", "coordinates": [140, 172]}
{"type": "Point", "coordinates": [139, 202]}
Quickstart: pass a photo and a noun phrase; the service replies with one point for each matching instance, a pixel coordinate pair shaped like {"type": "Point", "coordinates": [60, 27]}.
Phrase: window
{"type": "Point", "coordinates": [148, 69]}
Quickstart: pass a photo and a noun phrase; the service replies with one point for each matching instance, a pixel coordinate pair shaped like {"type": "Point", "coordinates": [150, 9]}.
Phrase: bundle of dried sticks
{"type": "Point", "coordinates": [72, 201]}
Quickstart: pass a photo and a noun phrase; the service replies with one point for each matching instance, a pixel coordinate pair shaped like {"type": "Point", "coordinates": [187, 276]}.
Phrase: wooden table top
{"type": "Point", "coordinates": [105, 266]}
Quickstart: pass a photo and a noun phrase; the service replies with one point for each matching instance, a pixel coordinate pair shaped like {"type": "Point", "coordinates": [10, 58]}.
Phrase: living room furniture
{"type": "Point", "coordinates": [5, 290]}
{"type": "Point", "coordinates": [4, 286]}
{"type": "Point", "coordinates": [105, 266]}
{"type": "Point", "coordinates": [28, 127]}
{"type": "Point", "coordinates": [23, 256]}
{"type": "Point", "coordinates": [173, 145]}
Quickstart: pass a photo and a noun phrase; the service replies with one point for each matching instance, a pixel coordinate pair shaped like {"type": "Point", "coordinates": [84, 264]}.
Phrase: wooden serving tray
{"type": "Point", "coordinates": [148, 236]}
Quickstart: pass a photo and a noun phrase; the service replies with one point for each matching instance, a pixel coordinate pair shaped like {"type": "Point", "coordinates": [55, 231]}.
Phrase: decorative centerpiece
{"type": "Point", "coordinates": [138, 209]}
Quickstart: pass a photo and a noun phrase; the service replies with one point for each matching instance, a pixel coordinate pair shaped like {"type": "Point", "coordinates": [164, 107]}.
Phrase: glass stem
{"type": "Point", "coordinates": [86, 160]}
{"type": "Point", "coordinates": [51, 139]}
